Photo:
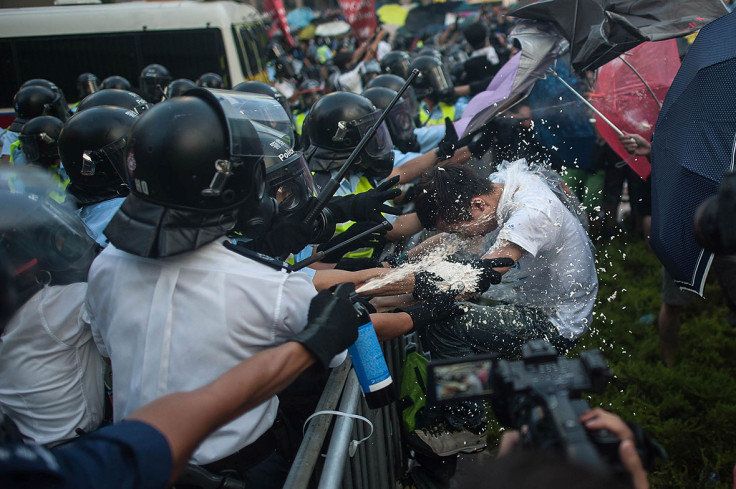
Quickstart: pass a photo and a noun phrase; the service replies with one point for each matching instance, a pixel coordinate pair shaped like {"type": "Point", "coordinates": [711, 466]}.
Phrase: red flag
{"type": "Point", "coordinates": [278, 13]}
{"type": "Point", "coordinates": [361, 15]}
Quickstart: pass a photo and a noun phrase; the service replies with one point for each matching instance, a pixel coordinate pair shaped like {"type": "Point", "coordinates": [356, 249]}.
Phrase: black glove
{"type": "Point", "coordinates": [366, 206]}
{"type": "Point", "coordinates": [446, 148]}
{"type": "Point", "coordinates": [427, 290]}
{"type": "Point", "coordinates": [482, 143]}
{"type": "Point", "coordinates": [332, 326]}
{"type": "Point", "coordinates": [372, 240]}
{"type": "Point", "coordinates": [355, 264]}
{"type": "Point", "coordinates": [288, 234]}
{"type": "Point", "coordinates": [488, 276]}
{"type": "Point", "coordinates": [423, 314]}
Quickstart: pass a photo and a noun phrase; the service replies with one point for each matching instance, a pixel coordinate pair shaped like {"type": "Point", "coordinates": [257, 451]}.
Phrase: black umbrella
{"type": "Point", "coordinates": [601, 30]}
{"type": "Point", "coordinates": [693, 147]}
{"type": "Point", "coordinates": [422, 16]}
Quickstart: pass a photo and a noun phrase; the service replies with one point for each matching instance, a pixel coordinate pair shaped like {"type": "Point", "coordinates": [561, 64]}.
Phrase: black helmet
{"type": "Point", "coordinates": [431, 52]}
{"type": "Point", "coordinates": [284, 67]}
{"type": "Point", "coordinates": [153, 81]}
{"type": "Point", "coordinates": [198, 152]}
{"type": "Point", "coordinates": [87, 83]}
{"type": "Point", "coordinates": [335, 126]}
{"type": "Point", "coordinates": [309, 92]}
{"type": "Point", "coordinates": [210, 80]}
{"type": "Point", "coordinates": [433, 81]}
{"type": "Point", "coordinates": [42, 82]}
{"type": "Point", "coordinates": [117, 98]}
{"type": "Point", "coordinates": [115, 81]}
{"type": "Point", "coordinates": [263, 88]}
{"type": "Point", "coordinates": [39, 140]}
{"type": "Point", "coordinates": [399, 121]}
{"type": "Point", "coordinates": [395, 82]}
{"type": "Point", "coordinates": [396, 63]}
{"type": "Point", "coordinates": [179, 87]}
{"type": "Point", "coordinates": [42, 242]}
{"type": "Point", "coordinates": [274, 50]}
{"type": "Point", "coordinates": [33, 101]}
{"type": "Point", "coordinates": [92, 149]}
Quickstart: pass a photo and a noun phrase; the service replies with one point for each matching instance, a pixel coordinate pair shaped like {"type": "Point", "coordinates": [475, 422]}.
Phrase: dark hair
{"type": "Point", "coordinates": [476, 35]}
{"type": "Point", "coordinates": [343, 59]}
{"type": "Point", "coordinates": [445, 192]}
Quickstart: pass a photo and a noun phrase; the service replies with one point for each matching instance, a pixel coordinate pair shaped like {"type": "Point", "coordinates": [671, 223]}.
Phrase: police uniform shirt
{"type": "Point", "coordinates": [97, 216]}
{"type": "Point", "coordinates": [51, 374]}
{"type": "Point", "coordinates": [10, 138]}
{"type": "Point", "coordinates": [429, 137]}
{"type": "Point", "coordinates": [127, 455]}
{"type": "Point", "coordinates": [177, 323]}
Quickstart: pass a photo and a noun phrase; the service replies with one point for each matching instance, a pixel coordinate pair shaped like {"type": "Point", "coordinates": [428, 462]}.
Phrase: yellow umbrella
{"type": "Point", "coordinates": [392, 13]}
{"type": "Point", "coordinates": [306, 32]}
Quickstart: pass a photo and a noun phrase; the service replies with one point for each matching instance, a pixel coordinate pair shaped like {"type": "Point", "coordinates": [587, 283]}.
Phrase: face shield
{"type": "Point", "coordinates": [94, 162]}
{"type": "Point", "coordinates": [44, 242]}
{"type": "Point", "coordinates": [264, 112]}
{"type": "Point", "coordinates": [57, 108]}
{"type": "Point", "coordinates": [377, 158]}
{"type": "Point", "coordinates": [401, 126]}
{"type": "Point", "coordinates": [39, 148]}
{"type": "Point", "coordinates": [412, 106]}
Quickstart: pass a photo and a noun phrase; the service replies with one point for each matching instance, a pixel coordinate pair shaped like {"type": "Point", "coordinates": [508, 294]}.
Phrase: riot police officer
{"type": "Point", "coordinates": [152, 82]}
{"type": "Point", "coordinates": [195, 165]}
{"type": "Point", "coordinates": [92, 148]}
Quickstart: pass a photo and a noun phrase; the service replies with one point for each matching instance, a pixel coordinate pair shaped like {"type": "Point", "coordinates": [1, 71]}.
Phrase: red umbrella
{"type": "Point", "coordinates": [629, 91]}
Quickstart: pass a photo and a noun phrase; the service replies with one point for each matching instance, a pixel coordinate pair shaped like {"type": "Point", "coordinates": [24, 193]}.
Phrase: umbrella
{"type": "Point", "coordinates": [629, 91]}
{"type": "Point", "coordinates": [307, 32]}
{"type": "Point", "coordinates": [392, 13]}
{"type": "Point", "coordinates": [601, 30]}
{"type": "Point", "coordinates": [333, 28]}
{"type": "Point", "coordinates": [299, 17]}
{"type": "Point", "coordinates": [541, 44]}
{"type": "Point", "coordinates": [562, 121]}
{"type": "Point", "coordinates": [693, 147]}
{"type": "Point", "coordinates": [423, 15]}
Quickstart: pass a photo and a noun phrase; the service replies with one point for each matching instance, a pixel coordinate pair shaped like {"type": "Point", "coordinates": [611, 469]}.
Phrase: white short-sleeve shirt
{"type": "Point", "coordinates": [177, 323]}
{"type": "Point", "coordinates": [557, 272]}
{"type": "Point", "coordinates": [51, 374]}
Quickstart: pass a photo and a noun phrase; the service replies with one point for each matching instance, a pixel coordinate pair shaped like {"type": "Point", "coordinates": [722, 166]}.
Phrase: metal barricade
{"type": "Point", "coordinates": [377, 463]}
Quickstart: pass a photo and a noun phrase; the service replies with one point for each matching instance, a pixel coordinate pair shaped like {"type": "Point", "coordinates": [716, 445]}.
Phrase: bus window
{"type": "Point", "coordinates": [251, 39]}
{"type": "Point", "coordinates": [185, 53]}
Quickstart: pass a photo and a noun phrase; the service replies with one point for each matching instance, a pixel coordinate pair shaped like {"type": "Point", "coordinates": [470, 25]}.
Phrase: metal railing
{"type": "Point", "coordinates": [377, 463]}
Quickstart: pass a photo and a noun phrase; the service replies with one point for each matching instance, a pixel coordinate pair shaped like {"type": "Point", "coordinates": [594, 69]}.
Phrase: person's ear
{"type": "Point", "coordinates": [477, 203]}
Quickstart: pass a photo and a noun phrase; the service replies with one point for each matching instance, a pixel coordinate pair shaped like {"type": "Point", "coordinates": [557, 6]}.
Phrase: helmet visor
{"type": "Point", "coordinates": [381, 142]}
{"type": "Point", "coordinates": [30, 146]}
{"type": "Point", "coordinates": [400, 122]}
{"type": "Point", "coordinates": [246, 111]}
{"type": "Point", "coordinates": [291, 184]}
{"type": "Point", "coordinates": [115, 154]}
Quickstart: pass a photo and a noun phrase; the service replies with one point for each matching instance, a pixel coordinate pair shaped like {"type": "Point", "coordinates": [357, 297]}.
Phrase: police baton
{"type": "Point", "coordinates": [331, 187]}
{"type": "Point", "coordinates": [385, 225]}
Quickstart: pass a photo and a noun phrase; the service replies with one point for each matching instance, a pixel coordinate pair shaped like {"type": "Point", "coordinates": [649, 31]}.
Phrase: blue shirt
{"type": "Point", "coordinates": [97, 216]}
{"type": "Point", "coordinates": [130, 454]}
{"type": "Point", "coordinates": [429, 137]}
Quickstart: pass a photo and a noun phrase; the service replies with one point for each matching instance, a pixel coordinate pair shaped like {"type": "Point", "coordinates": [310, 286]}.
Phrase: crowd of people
{"type": "Point", "coordinates": [171, 253]}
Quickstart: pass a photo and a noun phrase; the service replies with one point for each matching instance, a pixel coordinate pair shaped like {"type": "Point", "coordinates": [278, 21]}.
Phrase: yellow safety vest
{"type": "Point", "coordinates": [446, 109]}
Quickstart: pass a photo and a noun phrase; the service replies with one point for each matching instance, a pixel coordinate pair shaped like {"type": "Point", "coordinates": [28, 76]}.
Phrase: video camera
{"type": "Point", "coordinates": [539, 396]}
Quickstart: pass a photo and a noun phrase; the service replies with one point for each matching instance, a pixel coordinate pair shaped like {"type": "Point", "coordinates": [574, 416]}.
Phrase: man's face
{"type": "Point", "coordinates": [483, 221]}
